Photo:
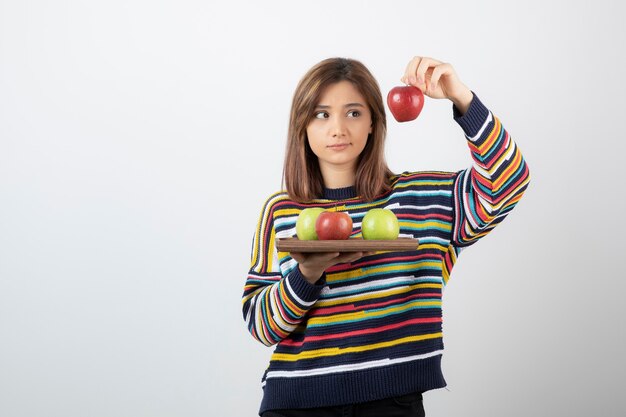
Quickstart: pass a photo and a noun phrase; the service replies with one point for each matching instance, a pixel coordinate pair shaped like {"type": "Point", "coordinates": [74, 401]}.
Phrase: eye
{"type": "Point", "coordinates": [321, 115]}
{"type": "Point", "coordinates": [354, 113]}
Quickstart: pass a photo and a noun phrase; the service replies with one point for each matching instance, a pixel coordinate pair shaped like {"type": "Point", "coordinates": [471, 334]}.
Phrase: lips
{"type": "Point", "coordinates": [338, 146]}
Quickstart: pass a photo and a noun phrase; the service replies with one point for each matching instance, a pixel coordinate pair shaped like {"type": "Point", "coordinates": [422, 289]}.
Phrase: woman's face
{"type": "Point", "coordinates": [339, 129]}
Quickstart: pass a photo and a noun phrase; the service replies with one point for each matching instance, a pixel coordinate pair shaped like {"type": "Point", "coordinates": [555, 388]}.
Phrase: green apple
{"type": "Point", "coordinates": [380, 224]}
{"type": "Point", "coordinates": [305, 225]}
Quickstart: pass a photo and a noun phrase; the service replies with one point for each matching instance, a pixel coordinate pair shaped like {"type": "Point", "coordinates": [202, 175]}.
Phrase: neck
{"type": "Point", "coordinates": [338, 176]}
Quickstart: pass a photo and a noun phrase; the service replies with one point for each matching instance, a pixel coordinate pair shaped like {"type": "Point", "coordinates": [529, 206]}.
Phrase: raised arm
{"type": "Point", "coordinates": [487, 191]}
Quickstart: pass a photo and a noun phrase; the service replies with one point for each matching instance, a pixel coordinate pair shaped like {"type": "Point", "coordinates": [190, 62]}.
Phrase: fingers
{"type": "Point", "coordinates": [410, 69]}
{"type": "Point", "coordinates": [314, 258]}
{"type": "Point", "coordinates": [327, 259]}
{"type": "Point", "coordinates": [298, 256]}
{"type": "Point", "coordinates": [348, 257]}
{"type": "Point", "coordinates": [418, 71]}
{"type": "Point", "coordinates": [438, 72]}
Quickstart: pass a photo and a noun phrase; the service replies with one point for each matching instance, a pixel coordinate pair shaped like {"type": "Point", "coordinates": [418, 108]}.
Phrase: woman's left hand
{"type": "Point", "coordinates": [437, 80]}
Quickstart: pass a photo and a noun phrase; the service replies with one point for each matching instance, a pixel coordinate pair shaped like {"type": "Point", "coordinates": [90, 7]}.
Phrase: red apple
{"type": "Point", "coordinates": [333, 225]}
{"type": "Point", "coordinates": [405, 102]}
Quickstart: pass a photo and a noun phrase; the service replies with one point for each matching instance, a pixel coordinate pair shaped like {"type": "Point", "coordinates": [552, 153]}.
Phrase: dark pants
{"type": "Point", "coordinates": [402, 406]}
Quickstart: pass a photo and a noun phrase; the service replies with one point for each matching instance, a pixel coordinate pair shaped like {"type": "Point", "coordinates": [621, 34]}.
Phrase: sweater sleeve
{"type": "Point", "coordinates": [486, 192]}
{"type": "Point", "coordinates": [275, 298]}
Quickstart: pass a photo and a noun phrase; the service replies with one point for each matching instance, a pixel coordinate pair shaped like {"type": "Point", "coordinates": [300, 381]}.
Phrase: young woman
{"type": "Point", "coordinates": [360, 333]}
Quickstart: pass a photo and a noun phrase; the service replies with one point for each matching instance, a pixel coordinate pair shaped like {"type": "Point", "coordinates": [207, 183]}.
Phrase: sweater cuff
{"type": "Point", "coordinates": [303, 289]}
{"type": "Point", "coordinates": [474, 118]}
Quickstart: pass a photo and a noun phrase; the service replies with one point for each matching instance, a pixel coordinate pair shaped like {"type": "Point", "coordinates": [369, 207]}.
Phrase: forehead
{"type": "Point", "coordinates": [340, 93]}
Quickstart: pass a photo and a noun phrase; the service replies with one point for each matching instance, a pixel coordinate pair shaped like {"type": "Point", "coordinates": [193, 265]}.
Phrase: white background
{"type": "Point", "coordinates": [139, 139]}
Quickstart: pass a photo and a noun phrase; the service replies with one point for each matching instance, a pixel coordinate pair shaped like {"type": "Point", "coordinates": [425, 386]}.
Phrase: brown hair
{"type": "Point", "coordinates": [301, 172]}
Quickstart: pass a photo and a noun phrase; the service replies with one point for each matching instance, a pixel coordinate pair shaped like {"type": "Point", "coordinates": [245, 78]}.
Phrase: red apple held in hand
{"type": "Point", "coordinates": [405, 102]}
{"type": "Point", "coordinates": [333, 225]}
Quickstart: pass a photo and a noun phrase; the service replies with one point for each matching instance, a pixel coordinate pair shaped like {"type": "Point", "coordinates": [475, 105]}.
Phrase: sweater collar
{"type": "Point", "coordinates": [339, 193]}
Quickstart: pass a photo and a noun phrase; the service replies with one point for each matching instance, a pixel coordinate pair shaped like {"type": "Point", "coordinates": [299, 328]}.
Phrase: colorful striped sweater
{"type": "Point", "coordinates": [373, 328]}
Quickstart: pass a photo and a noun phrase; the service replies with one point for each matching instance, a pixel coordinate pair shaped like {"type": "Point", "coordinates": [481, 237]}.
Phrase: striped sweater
{"type": "Point", "coordinates": [373, 328]}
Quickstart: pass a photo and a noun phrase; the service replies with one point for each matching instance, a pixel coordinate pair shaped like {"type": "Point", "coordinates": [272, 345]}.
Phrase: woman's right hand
{"type": "Point", "coordinates": [438, 79]}
{"type": "Point", "coordinates": [313, 265]}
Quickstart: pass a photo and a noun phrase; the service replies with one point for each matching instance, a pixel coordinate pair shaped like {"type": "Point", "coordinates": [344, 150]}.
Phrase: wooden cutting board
{"type": "Point", "coordinates": [348, 245]}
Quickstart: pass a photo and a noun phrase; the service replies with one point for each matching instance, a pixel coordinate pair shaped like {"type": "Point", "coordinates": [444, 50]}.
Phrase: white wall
{"type": "Point", "coordinates": [138, 140]}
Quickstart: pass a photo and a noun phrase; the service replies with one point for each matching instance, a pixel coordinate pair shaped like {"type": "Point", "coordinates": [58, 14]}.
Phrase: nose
{"type": "Point", "coordinates": [338, 128]}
